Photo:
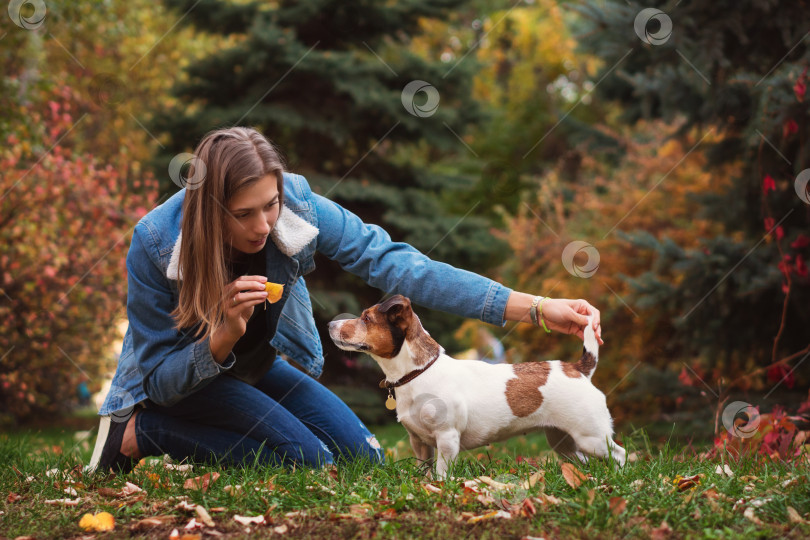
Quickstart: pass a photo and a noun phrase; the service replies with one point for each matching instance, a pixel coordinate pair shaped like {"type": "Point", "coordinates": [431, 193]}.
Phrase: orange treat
{"type": "Point", "coordinates": [274, 291]}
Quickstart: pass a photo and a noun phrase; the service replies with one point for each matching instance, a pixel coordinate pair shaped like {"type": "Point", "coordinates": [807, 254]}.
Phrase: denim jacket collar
{"type": "Point", "coordinates": [291, 234]}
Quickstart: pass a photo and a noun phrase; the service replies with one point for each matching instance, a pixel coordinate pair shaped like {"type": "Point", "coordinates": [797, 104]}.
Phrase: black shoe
{"type": "Point", "coordinates": [107, 454]}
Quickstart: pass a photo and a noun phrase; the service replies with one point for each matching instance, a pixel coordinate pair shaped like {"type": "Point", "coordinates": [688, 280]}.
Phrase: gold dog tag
{"type": "Point", "coordinates": [390, 403]}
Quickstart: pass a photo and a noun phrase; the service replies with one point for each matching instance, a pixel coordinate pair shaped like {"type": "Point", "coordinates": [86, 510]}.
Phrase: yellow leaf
{"type": "Point", "coordinates": [105, 521]}
{"type": "Point", "coordinates": [88, 522]}
{"type": "Point", "coordinates": [274, 291]}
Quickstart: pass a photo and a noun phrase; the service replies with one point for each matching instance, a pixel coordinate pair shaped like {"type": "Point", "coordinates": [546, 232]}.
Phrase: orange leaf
{"type": "Point", "coordinates": [573, 476]}
{"type": "Point", "coordinates": [617, 505]}
{"type": "Point", "coordinates": [201, 482]}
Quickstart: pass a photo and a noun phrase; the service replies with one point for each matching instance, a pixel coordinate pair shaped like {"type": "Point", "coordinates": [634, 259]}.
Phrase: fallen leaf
{"type": "Point", "coordinates": [154, 521]}
{"type": "Point", "coordinates": [13, 497]}
{"type": "Point", "coordinates": [431, 488]}
{"type": "Point", "coordinates": [661, 532]}
{"type": "Point", "coordinates": [617, 505]}
{"type": "Point", "coordinates": [527, 509]}
{"type": "Point", "coordinates": [66, 502]}
{"type": "Point", "coordinates": [725, 470]}
{"type": "Point", "coordinates": [201, 482]}
{"type": "Point", "coordinates": [205, 518]}
{"type": "Point", "coordinates": [495, 514]}
{"type": "Point", "coordinates": [533, 479]}
{"type": "Point", "coordinates": [388, 513]}
{"type": "Point", "coordinates": [103, 521]}
{"type": "Point", "coordinates": [573, 476]}
{"type": "Point", "coordinates": [500, 486]}
{"type": "Point", "coordinates": [247, 520]}
{"type": "Point", "coordinates": [688, 482]}
{"type": "Point", "coordinates": [750, 516]}
{"type": "Point", "coordinates": [281, 529]}
{"type": "Point", "coordinates": [591, 496]}
{"type": "Point", "coordinates": [193, 524]}
{"type": "Point", "coordinates": [130, 488]}
{"type": "Point", "coordinates": [794, 516]}
{"type": "Point", "coordinates": [361, 509]}
{"type": "Point", "coordinates": [637, 484]}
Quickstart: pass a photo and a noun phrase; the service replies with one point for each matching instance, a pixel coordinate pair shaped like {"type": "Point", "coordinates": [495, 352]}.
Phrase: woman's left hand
{"type": "Point", "coordinates": [570, 316]}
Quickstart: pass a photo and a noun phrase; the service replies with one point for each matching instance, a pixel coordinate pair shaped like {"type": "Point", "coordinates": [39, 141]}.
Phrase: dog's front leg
{"type": "Point", "coordinates": [447, 444]}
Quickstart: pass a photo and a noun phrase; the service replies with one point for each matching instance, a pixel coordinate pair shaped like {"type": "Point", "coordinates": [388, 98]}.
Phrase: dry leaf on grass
{"type": "Point", "coordinates": [154, 521]}
{"type": "Point", "coordinates": [204, 517]}
{"type": "Point", "coordinates": [661, 532]}
{"type": "Point", "coordinates": [725, 470]}
{"type": "Point", "coordinates": [617, 505]}
{"type": "Point", "coordinates": [533, 479]}
{"type": "Point", "coordinates": [431, 488]}
{"type": "Point", "coordinates": [103, 521]}
{"type": "Point", "coordinates": [794, 516]}
{"type": "Point", "coordinates": [66, 502]}
{"type": "Point", "coordinates": [500, 486]}
{"type": "Point", "coordinates": [13, 497]}
{"type": "Point", "coordinates": [281, 529]}
{"type": "Point", "coordinates": [201, 482]}
{"type": "Point", "coordinates": [573, 476]}
{"type": "Point", "coordinates": [496, 514]}
{"type": "Point", "coordinates": [248, 520]}
{"type": "Point", "coordinates": [750, 516]}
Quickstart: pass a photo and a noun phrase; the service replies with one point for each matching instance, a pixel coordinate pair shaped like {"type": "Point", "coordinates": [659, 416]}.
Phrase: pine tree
{"type": "Point", "coordinates": [325, 80]}
{"type": "Point", "coordinates": [738, 70]}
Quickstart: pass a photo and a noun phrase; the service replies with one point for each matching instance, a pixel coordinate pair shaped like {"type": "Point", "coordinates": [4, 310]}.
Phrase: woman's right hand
{"type": "Point", "coordinates": [240, 296]}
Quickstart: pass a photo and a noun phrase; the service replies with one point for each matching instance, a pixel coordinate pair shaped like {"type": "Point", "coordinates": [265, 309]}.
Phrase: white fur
{"type": "Point", "coordinates": [457, 405]}
{"type": "Point", "coordinates": [291, 234]}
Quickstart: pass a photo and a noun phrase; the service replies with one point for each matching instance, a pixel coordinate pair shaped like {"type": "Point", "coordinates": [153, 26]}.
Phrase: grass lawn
{"type": "Point", "coordinates": [515, 489]}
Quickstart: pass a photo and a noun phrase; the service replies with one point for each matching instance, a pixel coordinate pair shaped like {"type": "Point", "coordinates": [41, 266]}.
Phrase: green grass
{"type": "Point", "coordinates": [360, 501]}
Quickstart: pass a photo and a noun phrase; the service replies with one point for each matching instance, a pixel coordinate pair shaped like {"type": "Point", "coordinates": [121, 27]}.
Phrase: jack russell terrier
{"type": "Point", "coordinates": [454, 405]}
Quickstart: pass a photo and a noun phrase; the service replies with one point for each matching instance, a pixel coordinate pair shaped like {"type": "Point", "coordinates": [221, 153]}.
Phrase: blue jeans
{"type": "Point", "coordinates": [286, 418]}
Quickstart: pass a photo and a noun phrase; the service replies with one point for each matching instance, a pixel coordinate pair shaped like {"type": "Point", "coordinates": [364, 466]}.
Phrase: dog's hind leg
{"type": "Point", "coordinates": [561, 442]}
{"type": "Point", "coordinates": [619, 454]}
{"type": "Point", "coordinates": [422, 451]}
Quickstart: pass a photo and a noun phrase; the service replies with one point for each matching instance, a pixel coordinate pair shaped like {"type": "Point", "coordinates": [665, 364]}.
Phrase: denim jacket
{"type": "Point", "coordinates": [164, 365]}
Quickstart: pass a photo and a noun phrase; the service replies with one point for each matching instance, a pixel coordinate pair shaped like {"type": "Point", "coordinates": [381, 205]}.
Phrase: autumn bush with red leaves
{"type": "Point", "coordinates": [65, 224]}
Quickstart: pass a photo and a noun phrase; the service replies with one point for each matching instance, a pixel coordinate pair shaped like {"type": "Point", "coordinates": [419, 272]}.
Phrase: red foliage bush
{"type": "Point", "coordinates": [65, 225]}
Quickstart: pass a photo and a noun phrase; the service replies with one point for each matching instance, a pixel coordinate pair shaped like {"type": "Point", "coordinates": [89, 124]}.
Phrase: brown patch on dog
{"type": "Point", "coordinates": [583, 366]}
{"type": "Point", "coordinates": [523, 392]}
{"type": "Point", "coordinates": [586, 363]}
{"type": "Point", "coordinates": [570, 369]}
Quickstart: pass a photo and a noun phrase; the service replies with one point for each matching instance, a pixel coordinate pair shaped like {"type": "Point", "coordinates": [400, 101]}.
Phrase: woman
{"type": "Point", "coordinates": [199, 375]}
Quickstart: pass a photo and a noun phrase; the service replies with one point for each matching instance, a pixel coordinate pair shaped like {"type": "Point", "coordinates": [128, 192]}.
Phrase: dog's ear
{"type": "Point", "coordinates": [397, 310]}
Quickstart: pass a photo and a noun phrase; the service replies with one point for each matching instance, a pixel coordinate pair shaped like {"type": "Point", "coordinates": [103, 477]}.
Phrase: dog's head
{"type": "Point", "coordinates": [386, 331]}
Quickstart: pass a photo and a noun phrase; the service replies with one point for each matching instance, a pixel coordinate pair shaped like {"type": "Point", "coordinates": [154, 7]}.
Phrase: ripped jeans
{"type": "Point", "coordinates": [286, 418]}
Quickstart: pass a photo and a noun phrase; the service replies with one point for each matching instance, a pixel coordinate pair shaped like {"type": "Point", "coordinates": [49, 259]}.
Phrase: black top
{"type": "Point", "coordinates": [254, 354]}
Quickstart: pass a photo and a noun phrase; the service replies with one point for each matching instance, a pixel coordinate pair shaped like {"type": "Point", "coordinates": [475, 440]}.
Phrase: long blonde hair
{"type": "Point", "coordinates": [227, 160]}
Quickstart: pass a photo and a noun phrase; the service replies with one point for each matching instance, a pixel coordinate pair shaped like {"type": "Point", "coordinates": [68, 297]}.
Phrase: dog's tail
{"type": "Point", "coordinates": [590, 351]}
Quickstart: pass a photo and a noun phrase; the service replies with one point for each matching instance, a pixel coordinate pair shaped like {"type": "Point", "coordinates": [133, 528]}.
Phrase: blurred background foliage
{"type": "Point", "coordinates": [556, 122]}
